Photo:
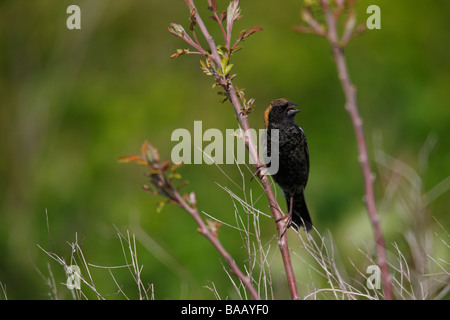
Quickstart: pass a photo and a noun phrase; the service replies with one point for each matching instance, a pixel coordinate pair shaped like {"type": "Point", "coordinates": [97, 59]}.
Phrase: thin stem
{"type": "Point", "coordinates": [221, 25]}
{"type": "Point", "coordinates": [352, 109]}
{"type": "Point", "coordinates": [195, 43]}
{"type": "Point", "coordinates": [203, 230]}
{"type": "Point", "coordinates": [195, 37]}
{"type": "Point", "coordinates": [230, 91]}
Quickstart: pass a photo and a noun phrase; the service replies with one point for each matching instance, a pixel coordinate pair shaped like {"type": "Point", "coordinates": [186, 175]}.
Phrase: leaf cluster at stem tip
{"type": "Point", "coordinates": [217, 57]}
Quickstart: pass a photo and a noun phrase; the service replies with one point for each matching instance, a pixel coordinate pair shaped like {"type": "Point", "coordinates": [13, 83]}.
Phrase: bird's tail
{"type": "Point", "coordinates": [300, 213]}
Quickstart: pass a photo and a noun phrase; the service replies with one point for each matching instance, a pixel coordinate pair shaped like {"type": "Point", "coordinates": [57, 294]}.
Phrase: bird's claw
{"type": "Point", "coordinates": [258, 171]}
{"type": "Point", "coordinates": [288, 217]}
{"type": "Point", "coordinates": [286, 225]}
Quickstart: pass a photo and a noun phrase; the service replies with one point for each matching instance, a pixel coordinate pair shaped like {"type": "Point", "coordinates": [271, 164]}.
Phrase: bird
{"type": "Point", "coordinates": [293, 157]}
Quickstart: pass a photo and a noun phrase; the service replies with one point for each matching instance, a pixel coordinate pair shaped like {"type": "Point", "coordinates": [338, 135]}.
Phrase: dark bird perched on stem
{"type": "Point", "coordinates": [293, 154]}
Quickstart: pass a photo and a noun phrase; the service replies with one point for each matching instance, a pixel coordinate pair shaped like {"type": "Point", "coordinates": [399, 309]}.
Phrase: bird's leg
{"type": "Point", "coordinates": [291, 202]}
{"type": "Point", "coordinates": [288, 217]}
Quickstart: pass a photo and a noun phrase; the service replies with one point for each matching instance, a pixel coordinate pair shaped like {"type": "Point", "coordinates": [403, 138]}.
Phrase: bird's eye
{"type": "Point", "coordinates": [279, 108]}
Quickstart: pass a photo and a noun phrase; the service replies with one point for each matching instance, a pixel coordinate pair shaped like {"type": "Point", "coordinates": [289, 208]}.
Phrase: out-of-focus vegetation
{"type": "Point", "coordinates": [73, 102]}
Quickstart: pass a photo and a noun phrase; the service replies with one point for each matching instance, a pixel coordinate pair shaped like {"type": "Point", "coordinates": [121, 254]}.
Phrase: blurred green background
{"type": "Point", "coordinates": [73, 102]}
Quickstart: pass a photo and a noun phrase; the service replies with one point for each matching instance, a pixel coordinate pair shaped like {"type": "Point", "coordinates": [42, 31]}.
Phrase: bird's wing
{"type": "Point", "coordinates": [306, 150]}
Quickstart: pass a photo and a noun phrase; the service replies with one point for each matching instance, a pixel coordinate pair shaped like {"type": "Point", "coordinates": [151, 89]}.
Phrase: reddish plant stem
{"type": "Point", "coordinates": [203, 230]}
{"type": "Point", "coordinates": [251, 146]}
{"type": "Point", "coordinates": [163, 185]}
{"type": "Point", "coordinates": [352, 109]}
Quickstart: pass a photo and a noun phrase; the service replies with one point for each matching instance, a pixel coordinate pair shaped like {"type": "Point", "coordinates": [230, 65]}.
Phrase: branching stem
{"type": "Point", "coordinates": [352, 108]}
{"type": "Point", "coordinates": [242, 118]}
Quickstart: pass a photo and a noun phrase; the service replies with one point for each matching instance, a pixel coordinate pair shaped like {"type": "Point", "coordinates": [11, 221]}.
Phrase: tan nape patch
{"type": "Point", "coordinates": [266, 115]}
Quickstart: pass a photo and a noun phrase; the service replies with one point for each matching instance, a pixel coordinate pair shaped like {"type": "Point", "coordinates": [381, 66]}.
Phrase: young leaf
{"type": "Point", "coordinates": [227, 69]}
{"type": "Point", "coordinates": [223, 16]}
{"type": "Point", "coordinates": [175, 175]}
{"type": "Point", "coordinates": [222, 51]}
{"type": "Point", "coordinates": [254, 29]}
{"type": "Point", "coordinates": [236, 48]}
{"type": "Point", "coordinates": [224, 64]}
{"type": "Point", "coordinates": [207, 68]}
{"type": "Point", "coordinates": [179, 52]}
{"type": "Point", "coordinates": [192, 18]}
{"type": "Point", "coordinates": [212, 5]}
{"type": "Point", "coordinates": [233, 13]}
{"type": "Point", "coordinates": [242, 34]}
{"type": "Point", "coordinates": [177, 30]}
{"type": "Point", "coordinates": [160, 205]}
{"type": "Point", "coordinates": [192, 199]}
{"type": "Point", "coordinates": [133, 158]}
{"type": "Point", "coordinates": [213, 227]}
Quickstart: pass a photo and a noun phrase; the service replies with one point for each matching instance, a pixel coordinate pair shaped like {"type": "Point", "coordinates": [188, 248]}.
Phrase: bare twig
{"type": "Point", "coordinates": [205, 231]}
{"type": "Point", "coordinates": [352, 109]}
{"type": "Point", "coordinates": [161, 175]}
{"type": "Point", "coordinates": [76, 249]}
{"type": "Point", "coordinates": [3, 288]}
{"type": "Point", "coordinates": [332, 13]}
{"type": "Point", "coordinates": [422, 276]}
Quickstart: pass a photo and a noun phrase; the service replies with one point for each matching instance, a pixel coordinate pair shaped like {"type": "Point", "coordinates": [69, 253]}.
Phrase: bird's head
{"type": "Point", "coordinates": [279, 111]}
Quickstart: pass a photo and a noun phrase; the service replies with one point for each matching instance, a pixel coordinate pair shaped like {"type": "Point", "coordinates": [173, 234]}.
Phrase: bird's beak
{"type": "Point", "coordinates": [290, 109]}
